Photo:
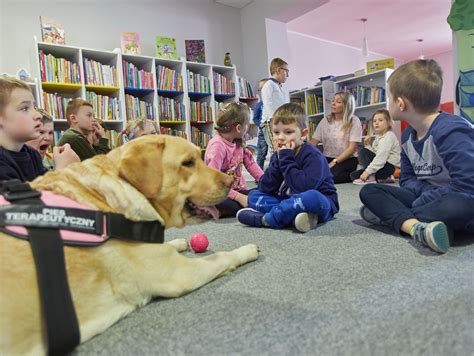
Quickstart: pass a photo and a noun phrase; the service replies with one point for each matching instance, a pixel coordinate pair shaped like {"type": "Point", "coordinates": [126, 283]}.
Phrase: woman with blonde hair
{"type": "Point", "coordinates": [340, 134]}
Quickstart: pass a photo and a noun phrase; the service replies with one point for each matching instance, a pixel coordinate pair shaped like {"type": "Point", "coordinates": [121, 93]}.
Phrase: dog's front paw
{"type": "Point", "coordinates": [247, 253]}
{"type": "Point", "coordinates": [180, 245]}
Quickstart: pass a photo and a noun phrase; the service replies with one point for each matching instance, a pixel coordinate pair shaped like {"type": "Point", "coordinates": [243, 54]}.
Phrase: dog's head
{"type": "Point", "coordinates": [170, 173]}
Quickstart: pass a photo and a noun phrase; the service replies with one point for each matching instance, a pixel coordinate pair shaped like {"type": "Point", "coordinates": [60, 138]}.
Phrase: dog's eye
{"type": "Point", "coordinates": [189, 163]}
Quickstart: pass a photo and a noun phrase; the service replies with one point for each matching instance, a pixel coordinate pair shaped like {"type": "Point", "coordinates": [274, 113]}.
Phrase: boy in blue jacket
{"type": "Point", "coordinates": [297, 187]}
{"type": "Point", "coordinates": [436, 193]}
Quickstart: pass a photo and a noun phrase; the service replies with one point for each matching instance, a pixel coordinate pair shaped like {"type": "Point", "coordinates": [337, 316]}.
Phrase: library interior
{"type": "Point", "coordinates": [220, 177]}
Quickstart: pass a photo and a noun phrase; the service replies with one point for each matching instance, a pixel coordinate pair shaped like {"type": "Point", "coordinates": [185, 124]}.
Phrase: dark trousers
{"type": "Point", "coordinates": [262, 148]}
{"type": "Point", "coordinates": [393, 205]}
{"type": "Point", "coordinates": [341, 171]}
{"type": "Point", "coordinates": [365, 158]}
{"type": "Point", "coordinates": [229, 207]}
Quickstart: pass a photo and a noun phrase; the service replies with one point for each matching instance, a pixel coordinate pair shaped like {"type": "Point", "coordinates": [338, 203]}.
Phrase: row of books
{"type": "Point", "coordinates": [245, 88]}
{"type": "Point", "coordinates": [223, 85]}
{"type": "Point", "coordinates": [366, 95]}
{"type": "Point", "coordinates": [315, 104]}
{"type": "Point", "coordinates": [169, 79]}
{"type": "Point", "coordinates": [170, 109]}
{"type": "Point", "coordinates": [200, 112]}
{"type": "Point", "coordinates": [105, 107]}
{"type": "Point", "coordinates": [136, 78]}
{"type": "Point", "coordinates": [198, 83]}
{"type": "Point", "coordinates": [199, 138]}
{"type": "Point", "coordinates": [58, 70]}
{"type": "Point", "coordinates": [173, 132]}
{"type": "Point", "coordinates": [97, 73]}
{"type": "Point", "coordinates": [55, 105]}
{"type": "Point", "coordinates": [138, 109]}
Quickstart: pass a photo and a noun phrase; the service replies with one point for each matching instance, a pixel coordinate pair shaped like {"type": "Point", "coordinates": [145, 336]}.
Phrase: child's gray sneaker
{"type": "Point", "coordinates": [370, 217]}
{"type": "Point", "coordinates": [306, 221]}
{"type": "Point", "coordinates": [434, 235]}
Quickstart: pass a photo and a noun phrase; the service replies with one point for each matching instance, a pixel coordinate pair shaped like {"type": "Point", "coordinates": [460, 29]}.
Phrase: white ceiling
{"type": "Point", "coordinates": [239, 4]}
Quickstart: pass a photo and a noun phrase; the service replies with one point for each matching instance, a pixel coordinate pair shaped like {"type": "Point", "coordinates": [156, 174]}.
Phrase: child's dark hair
{"type": "Point", "coordinates": [231, 115]}
{"type": "Point", "coordinates": [290, 113]}
{"type": "Point", "coordinates": [420, 81]}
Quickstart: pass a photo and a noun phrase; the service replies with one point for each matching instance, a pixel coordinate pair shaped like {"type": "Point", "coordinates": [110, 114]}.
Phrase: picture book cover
{"type": "Point", "coordinates": [166, 47]}
{"type": "Point", "coordinates": [52, 31]}
{"type": "Point", "coordinates": [195, 51]}
{"type": "Point", "coordinates": [130, 42]}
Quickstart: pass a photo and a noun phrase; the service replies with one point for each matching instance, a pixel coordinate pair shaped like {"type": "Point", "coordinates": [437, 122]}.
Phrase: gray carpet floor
{"type": "Point", "coordinates": [342, 289]}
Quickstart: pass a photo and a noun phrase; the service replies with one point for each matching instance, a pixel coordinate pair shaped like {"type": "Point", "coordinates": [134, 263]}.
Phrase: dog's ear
{"type": "Point", "coordinates": [141, 166]}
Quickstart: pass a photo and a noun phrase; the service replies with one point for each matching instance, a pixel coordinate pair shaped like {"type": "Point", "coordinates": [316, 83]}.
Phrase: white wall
{"type": "Point", "coordinates": [98, 24]}
{"type": "Point", "coordinates": [445, 60]}
{"type": "Point", "coordinates": [312, 58]}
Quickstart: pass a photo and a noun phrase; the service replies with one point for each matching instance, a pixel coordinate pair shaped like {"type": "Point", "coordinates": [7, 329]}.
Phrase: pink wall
{"type": "Point", "coordinates": [312, 58]}
{"type": "Point", "coordinates": [445, 60]}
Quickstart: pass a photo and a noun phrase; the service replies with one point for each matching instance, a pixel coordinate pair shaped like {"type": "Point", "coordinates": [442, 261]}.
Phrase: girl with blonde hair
{"type": "Point", "coordinates": [340, 133]}
{"type": "Point", "coordinates": [227, 153]}
{"type": "Point", "coordinates": [137, 128]}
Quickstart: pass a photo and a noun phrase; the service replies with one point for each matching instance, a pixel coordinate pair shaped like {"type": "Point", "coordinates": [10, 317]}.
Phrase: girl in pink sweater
{"type": "Point", "coordinates": [227, 153]}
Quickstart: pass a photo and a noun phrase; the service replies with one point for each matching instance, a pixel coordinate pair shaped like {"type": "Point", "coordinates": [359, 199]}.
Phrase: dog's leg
{"type": "Point", "coordinates": [180, 245]}
{"type": "Point", "coordinates": [187, 274]}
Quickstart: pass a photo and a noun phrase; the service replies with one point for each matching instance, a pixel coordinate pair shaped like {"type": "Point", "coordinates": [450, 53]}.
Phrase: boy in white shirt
{"type": "Point", "coordinates": [273, 96]}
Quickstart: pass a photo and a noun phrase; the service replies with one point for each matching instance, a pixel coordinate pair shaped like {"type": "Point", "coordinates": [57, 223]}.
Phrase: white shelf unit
{"type": "Point", "coordinates": [364, 108]}
{"type": "Point", "coordinates": [169, 123]}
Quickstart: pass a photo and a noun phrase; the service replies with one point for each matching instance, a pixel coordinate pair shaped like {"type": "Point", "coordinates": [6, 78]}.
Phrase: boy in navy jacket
{"type": "Point", "coordinates": [297, 187]}
{"type": "Point", "coordinates": [436, 193]}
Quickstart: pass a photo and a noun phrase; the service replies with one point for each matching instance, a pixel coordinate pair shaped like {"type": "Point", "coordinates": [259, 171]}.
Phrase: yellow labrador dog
{"type": "Point", "coordinates": [151, 178]}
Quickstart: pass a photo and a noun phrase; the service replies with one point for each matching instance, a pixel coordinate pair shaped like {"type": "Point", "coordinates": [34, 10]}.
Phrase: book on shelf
{"type": "Point", "coordinates": [97, 73]}
{"type": "Point", "coordinates": [201, 112]}
{"type": "Point", "coordinates": [315, 104]}
{"type": "Point", "coordinates": [246, 90]}
{"type": "Point", "coordinates": [366, 95]}
{"type": "Point", "coordinates": [52, 31]}
{"type": "Point", "coordinates": [380, 64]}
{"type": "Point", "coordinates": [173, 132]}
{"type": "Point", "coordinates": [195, 51]}
{"type": "Point", "coordinates": [55, 105]}
{"type": "Point", "coordinates": [130, 42]}
{"type": "Point", "coordinates": [136, 78]}
{"type": "Point", "coordinates": [171, 109]}
{"type": "Point", "coordinates": [166, 47]}
{"type": "Point", "coordinates": [198, 83]}
{"type": "Point", "coordinates": [138, 109]}
{"type": "Point", "coordinates": [169, 79]}
{"type": "Point", "coordinates": [106, 108]}
{"type": "Point", "coordinates": [223, 85]}
{"type": "Point", "coordinates": [200, 138]}
{"type": "Point", "coordinates": [58, 70]}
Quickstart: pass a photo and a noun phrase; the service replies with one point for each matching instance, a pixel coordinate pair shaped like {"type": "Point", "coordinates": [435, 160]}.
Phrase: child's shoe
{"type": "Point", "coordinates": [370, 179]}
{"type": "Point", "coordinates": [250, 217]}
{"type": "Point", "coordinates": [388, 180]}
{"type": "Point", "coordinates": [435, 235]}
{"type": "Point", "coordinates": [306, 221]}
{"type": "Point", "coordinates": [370, 217]}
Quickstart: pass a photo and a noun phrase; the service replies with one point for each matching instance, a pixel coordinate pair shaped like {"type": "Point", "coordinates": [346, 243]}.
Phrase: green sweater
{"type": "Point", "coordinates": [81, 146]}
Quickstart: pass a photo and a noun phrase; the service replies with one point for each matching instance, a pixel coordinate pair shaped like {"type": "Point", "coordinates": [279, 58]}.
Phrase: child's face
{"type": "Point", "coordinates": [337, 105]}
{"type": "Point", "coordinates": [284, 134]}
{"type": "Point", "coordinates": [282, 74]}
{"type": "Point", "coordinates": [380, 124]}
{"type": "Point", "coordinates": [19, 121]}
{"type": "Point", "coordinates": [42, 143]}
{"type": "Point", "coordinates": [84, 120]}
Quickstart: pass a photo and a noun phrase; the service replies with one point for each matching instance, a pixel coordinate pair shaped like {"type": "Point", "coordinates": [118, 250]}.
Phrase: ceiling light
{"type": "Point", "coordinates": [365, 45]}
{"type": "Point", "coordinates": [421, 56]}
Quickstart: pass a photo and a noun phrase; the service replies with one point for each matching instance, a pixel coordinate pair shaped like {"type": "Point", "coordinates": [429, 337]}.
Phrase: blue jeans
{"type": "Point", "coordinates": [281, 212]}
{"type": "Point", "coordinates": [393, 205]}
{"type": "Point", "coordinates": [262, 148]}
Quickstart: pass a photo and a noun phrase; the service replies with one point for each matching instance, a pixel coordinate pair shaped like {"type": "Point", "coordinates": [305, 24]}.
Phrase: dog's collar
{"type": "Point", "coordinates": [22, 207]}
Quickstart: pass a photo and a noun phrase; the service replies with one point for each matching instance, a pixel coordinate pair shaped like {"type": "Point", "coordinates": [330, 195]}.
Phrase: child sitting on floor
{"type": "Point", "coordinates": [297, 187]}
{"type": "Point", "coordinates": [379, 159]}
{"type": "Point", "coordinates": [436, 193]}
{"type": "Point", "coordinates": [227, 153]}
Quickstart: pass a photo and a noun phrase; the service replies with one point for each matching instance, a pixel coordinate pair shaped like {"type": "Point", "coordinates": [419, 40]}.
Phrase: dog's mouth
{"type": "Point", "coordinates": [201, 212]}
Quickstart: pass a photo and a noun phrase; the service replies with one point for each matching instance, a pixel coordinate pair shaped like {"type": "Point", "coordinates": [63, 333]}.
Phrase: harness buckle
{"type": "Point", "coordinates": [15, 189]}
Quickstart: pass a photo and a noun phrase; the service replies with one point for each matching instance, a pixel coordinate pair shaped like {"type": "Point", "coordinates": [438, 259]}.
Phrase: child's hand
{"type": "Point", "coordinates": [99, 131]}
{"type": "Point", "coordinates": [363, 177]}
{"type": "Point", "coordinates": [368, 140]}
{"type": "Point", "coordinates": [242, 199]}
{"type": "Point", "coordinates": [64, 155]}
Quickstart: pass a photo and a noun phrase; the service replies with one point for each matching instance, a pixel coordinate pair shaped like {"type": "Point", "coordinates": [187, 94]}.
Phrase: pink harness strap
{"type": "Point", "coordinates": [51, 199]}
